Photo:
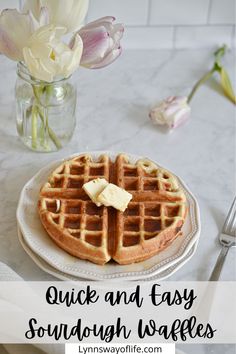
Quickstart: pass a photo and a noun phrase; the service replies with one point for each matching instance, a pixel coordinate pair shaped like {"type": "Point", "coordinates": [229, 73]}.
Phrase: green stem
{"type": "Point", "coordinates": [43, 137]}
{"type": "Point", "coordinates": [37, 93]}
{"type": "Point", "coordinates": [34, 127]}
{"type": "Point", "coordinates": [219, 53]}
{"type": "Point", "coordinates": [51, 133]}
{"type": "Point", "coordinates": [200, 82]}
{"type": "Point", "coordinates": [42, 133]}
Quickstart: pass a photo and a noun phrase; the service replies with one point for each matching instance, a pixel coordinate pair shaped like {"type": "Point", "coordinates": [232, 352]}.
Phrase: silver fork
{"type": "Point", "coordinates": [227, 239]}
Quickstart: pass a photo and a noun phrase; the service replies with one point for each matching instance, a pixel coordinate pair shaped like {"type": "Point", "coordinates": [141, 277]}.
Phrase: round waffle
{"type": "Point", "coordinates": [151, 222]}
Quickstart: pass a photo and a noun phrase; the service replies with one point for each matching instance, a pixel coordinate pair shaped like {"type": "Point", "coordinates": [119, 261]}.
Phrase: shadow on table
{"type": "Point", "coordinates": [219, 217]}
{"type": "Point", "coordinates": [215, 86]}
{"type": "Point", "coordinates": [12, 144]}
{"type": "Point", "coordinates": [139, 114]}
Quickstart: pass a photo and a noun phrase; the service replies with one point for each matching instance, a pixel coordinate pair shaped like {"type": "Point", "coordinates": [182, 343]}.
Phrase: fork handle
{"type": "Point", "coordinates": [219, 264]}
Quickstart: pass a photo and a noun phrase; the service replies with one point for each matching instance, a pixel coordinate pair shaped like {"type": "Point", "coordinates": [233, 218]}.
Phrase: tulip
{"type": "Point", "coordinates": [101, 40]}
{"type": "Point", "coordinates": [48, 58]}
{"type": "Point", "coordinates": [173, 111]}
{"type": "Point", "coordinates": [15, 31]}
{"type": "Point", "coordinates": [62, 13]}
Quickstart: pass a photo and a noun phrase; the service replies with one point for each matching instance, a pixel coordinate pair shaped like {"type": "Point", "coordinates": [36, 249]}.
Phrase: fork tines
{"type": "Point", "coordinates": [229, 227]}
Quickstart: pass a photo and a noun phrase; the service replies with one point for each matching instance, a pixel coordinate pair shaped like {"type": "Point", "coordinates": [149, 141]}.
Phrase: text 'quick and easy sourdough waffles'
{"type": "Point", "coordinates": [151, 222]}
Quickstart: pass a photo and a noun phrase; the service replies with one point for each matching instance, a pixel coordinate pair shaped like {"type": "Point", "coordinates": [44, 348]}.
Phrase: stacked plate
{"type": "Point", "coordinates": [48, 256]}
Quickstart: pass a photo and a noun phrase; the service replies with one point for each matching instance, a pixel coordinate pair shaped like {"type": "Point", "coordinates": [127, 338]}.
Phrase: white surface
{"type": "Point", "coordinates": [113, 106]}
{"type": "Point", "coordinates": [202, 36]}
{"type": "Point", "coordinates": [8, 4]}
{"type": "Point", "coordinates": [184, 12]}
{"type": "Point", "coordinates": [222, 12]}
{"type": "Point", "coordinates": [148, 37]}
{"type": "Point", "coordinates": [131, 12]}
{"type": "Point", "coordinates": [152, 24]}
{"type": "Point", "coordinates": [37, 239]}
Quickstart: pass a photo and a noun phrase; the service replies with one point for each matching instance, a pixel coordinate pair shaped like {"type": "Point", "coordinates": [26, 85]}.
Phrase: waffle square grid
{"type": "Point", "coordinates": [151, 222]}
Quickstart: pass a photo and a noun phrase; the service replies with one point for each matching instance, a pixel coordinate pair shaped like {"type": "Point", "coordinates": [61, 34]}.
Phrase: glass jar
{"type": "Point", "coordinates": [45, 112]}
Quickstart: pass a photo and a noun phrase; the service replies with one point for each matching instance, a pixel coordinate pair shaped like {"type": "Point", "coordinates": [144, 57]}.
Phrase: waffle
{"type": "Point", "coordinates": [151, 222]}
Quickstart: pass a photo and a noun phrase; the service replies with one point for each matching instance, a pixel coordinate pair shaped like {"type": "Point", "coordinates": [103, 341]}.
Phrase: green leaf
{"type": "Point", "coordinates": [219, 55]}
{"type": "Point", "coordinates": [227, 86]}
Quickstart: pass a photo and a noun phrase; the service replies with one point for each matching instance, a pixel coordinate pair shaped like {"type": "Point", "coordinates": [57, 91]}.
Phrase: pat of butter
{"type": "Point", "coordinates": [94, 188]}
{"type": "Point", "coordinates": [115, 196]}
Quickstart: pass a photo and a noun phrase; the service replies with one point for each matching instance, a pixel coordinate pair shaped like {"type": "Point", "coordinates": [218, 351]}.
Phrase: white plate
{"type": "Point", "coordinates": [63, 276]}
{"type": "Point", "coordinates": [42, 245]}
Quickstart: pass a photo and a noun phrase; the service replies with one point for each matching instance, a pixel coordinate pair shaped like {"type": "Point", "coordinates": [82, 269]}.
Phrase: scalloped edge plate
{"type": "Point", "coordinates": [63, 276]}
{"type": "Point", "coordinates": [41, 244]}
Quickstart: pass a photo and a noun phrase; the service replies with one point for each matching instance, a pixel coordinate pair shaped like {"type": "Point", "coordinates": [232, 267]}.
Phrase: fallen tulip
{"type": "Point", "coordinates": [173, 111]}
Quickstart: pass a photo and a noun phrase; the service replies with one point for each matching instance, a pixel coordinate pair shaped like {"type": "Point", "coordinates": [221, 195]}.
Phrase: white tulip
{"type": "Point", "coordinates": [34, 6]}
{"type": "Point", "coordinates": [64, 13]}
{"type": "Point", "coordinates": [15, 31]}
{"type": "Point", "coordinates": [48, 58]}
{"type": "Point", "coordinates": [173, 111]}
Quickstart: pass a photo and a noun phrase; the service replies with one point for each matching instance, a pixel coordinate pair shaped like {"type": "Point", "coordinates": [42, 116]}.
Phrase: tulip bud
{"type": "Point", "coordinates": [173, 111]}
{"type": "Point", "coordinates": [101, 42]}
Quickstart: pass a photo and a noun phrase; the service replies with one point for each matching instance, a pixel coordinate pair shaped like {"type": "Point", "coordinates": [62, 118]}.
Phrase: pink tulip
{"type": "Point", "coordinates": [173, 112]}
{"type": "Point", "coordinates": [101, 41]}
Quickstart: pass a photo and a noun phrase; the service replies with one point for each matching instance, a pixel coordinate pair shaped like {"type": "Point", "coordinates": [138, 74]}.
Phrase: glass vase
{"type": "Point", "coordinates": [45, 112]}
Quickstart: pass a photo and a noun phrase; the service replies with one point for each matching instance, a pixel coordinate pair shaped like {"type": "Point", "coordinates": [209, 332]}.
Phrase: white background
{"type": "Point", "coordinates": [200, 299]}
